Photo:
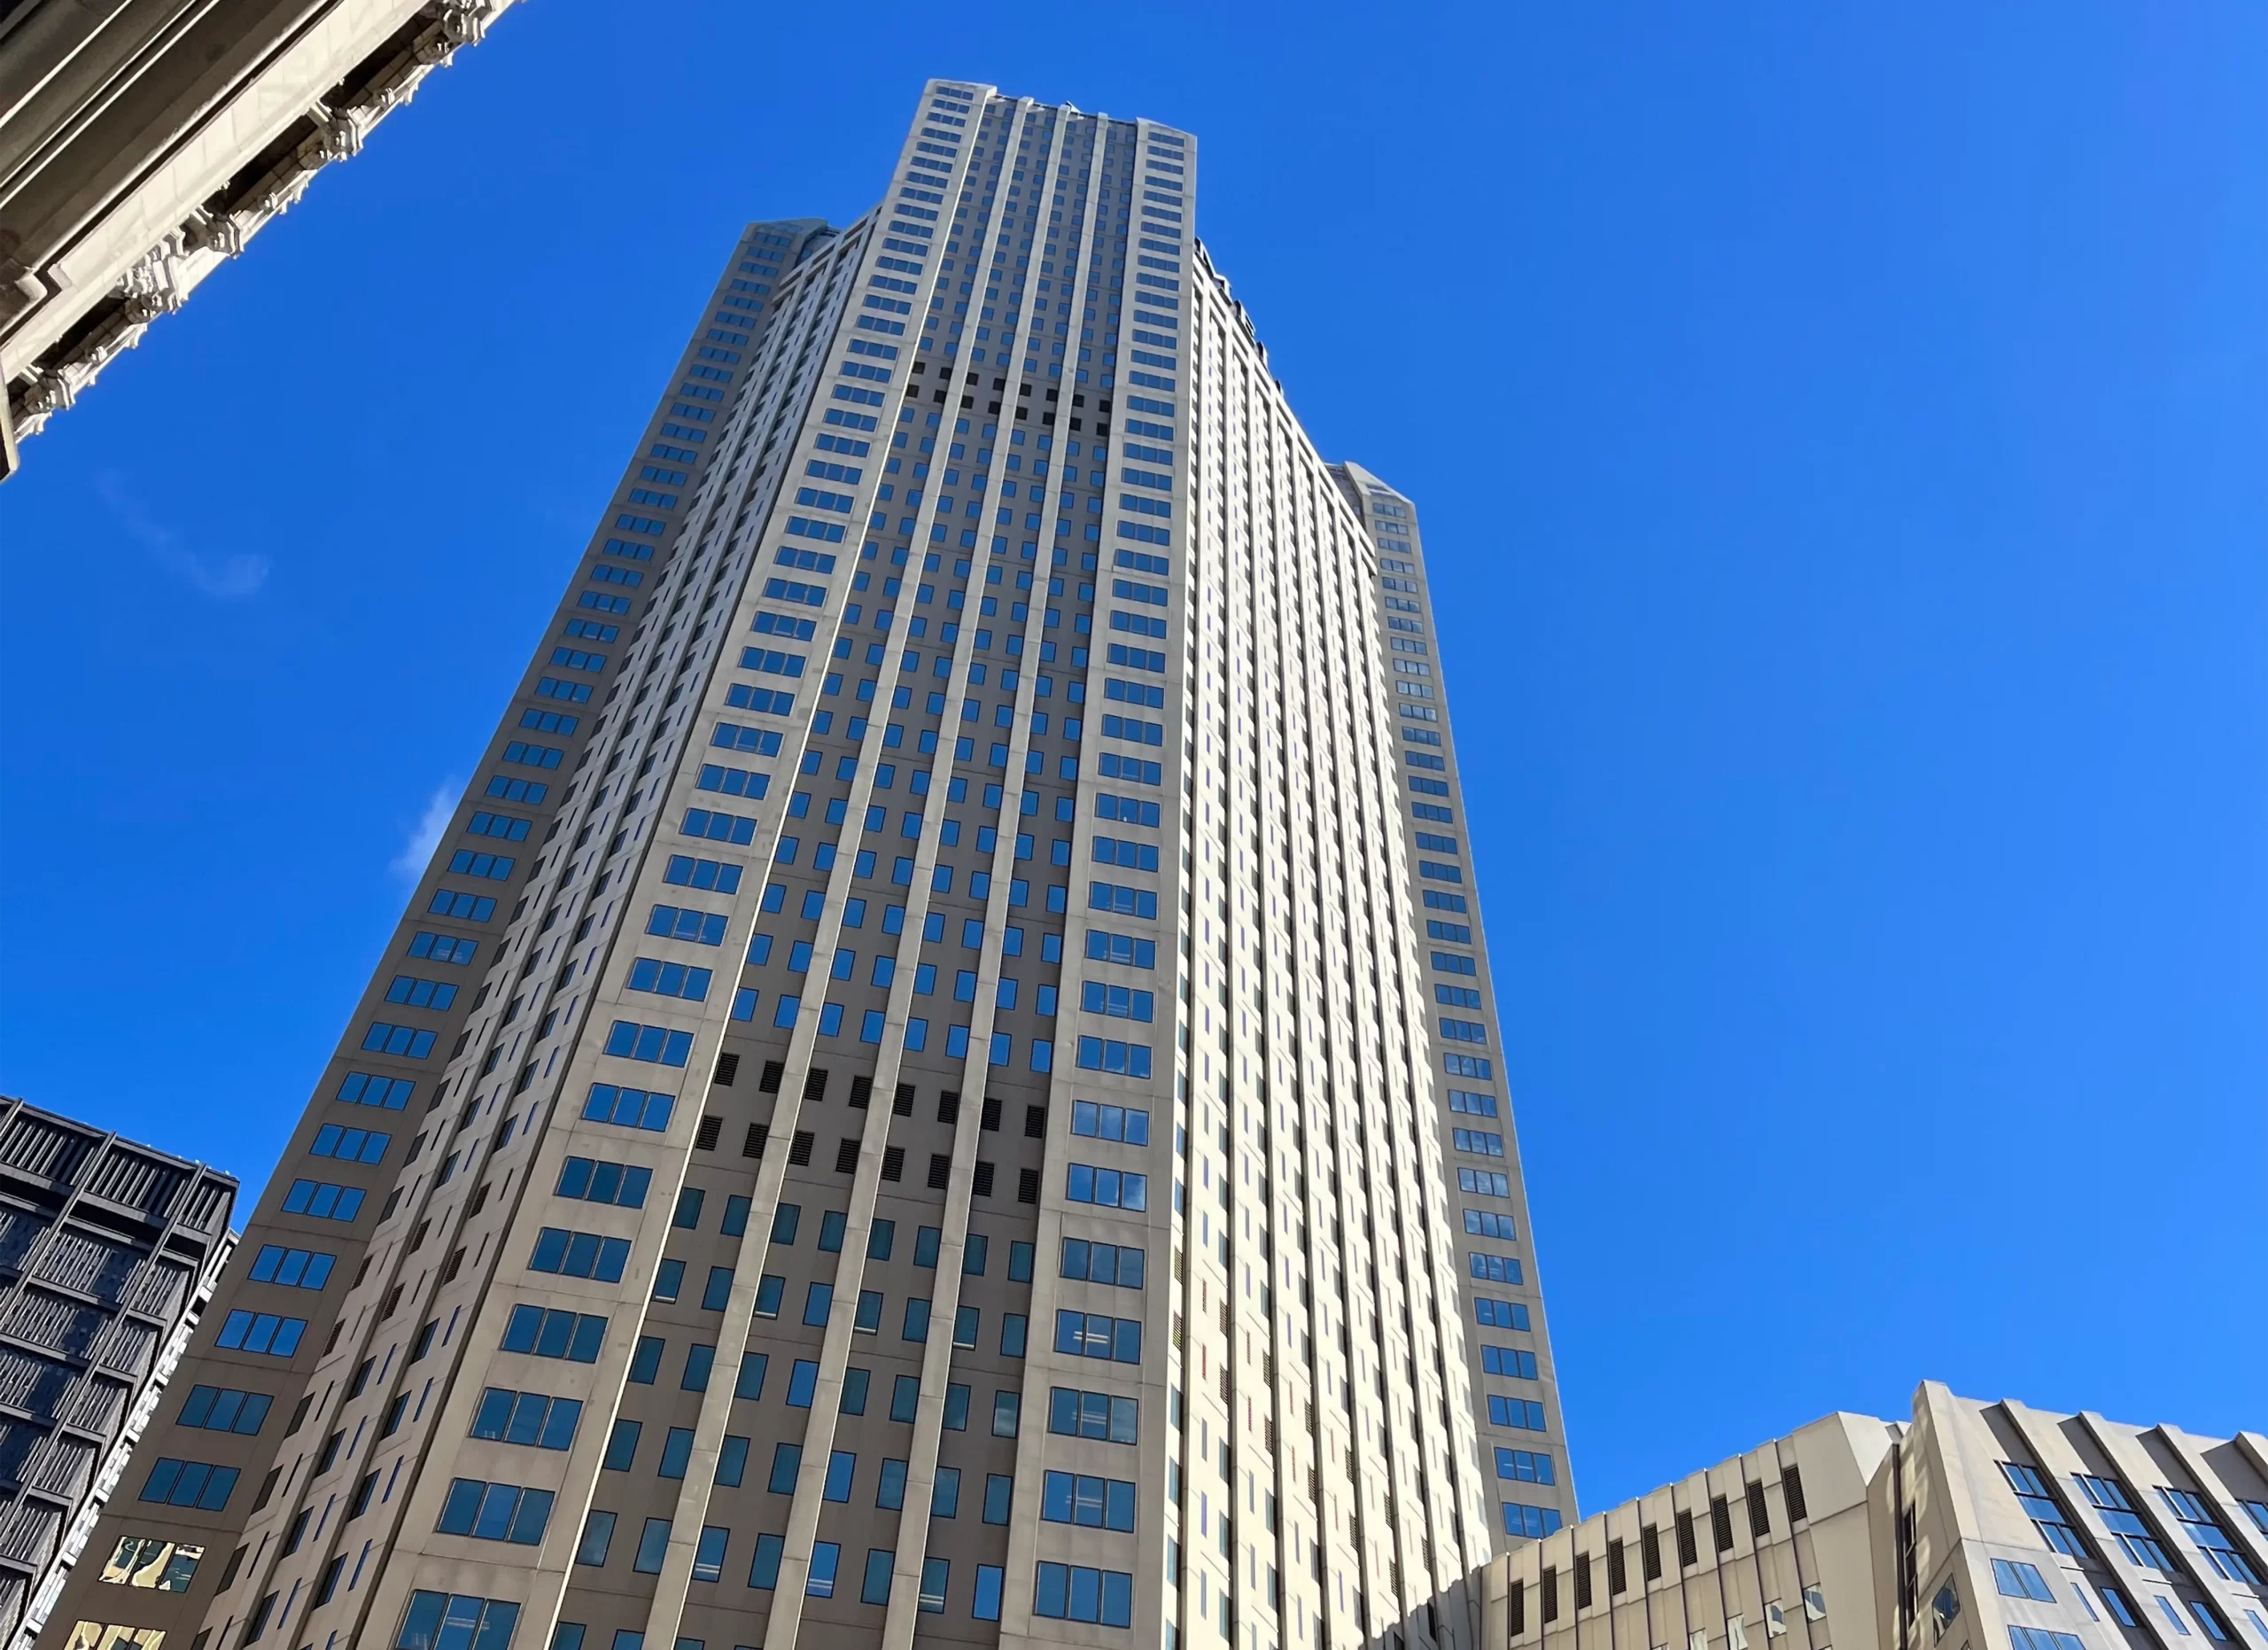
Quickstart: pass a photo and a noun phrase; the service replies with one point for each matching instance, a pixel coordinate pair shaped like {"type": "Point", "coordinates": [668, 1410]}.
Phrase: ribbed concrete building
{"type": "Point", "coordinates": [108, 1252]}
{"type": "Point", "coordinates": [142, 142]}
{"type": "Point", "coordinates": [1507, 1354]}
{"type": "Point", "coordinates": [906, 1101]}
{"type": "Point", "coordinates": [1975, 1526]}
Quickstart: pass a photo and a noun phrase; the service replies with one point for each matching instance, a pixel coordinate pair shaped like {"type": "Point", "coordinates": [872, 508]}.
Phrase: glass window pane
{"type": "Point", "coordinates": [875, 1588]}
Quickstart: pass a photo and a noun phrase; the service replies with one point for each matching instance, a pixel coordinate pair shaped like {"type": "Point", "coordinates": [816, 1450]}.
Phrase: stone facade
{"type": "Point", "coordinates": [143, 143]}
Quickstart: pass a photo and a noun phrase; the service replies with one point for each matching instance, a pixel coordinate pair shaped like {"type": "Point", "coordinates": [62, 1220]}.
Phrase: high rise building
{"type": "Point", "coordinates": [1515, 1386]}
{"type": "Point", "coordinates": [1972, 1527]}
{"type": "Point", "coordinates": [145, 141]}
{"type": "Point", "coordinates": [108, 1252]}
{"type": "Point", "coordinates": [905, 1103]}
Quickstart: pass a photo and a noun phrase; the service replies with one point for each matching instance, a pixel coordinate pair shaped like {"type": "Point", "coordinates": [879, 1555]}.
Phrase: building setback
{"type": "Point", "coordinates": [1515, 1386]}
{"type": "Point", "coordinates": [906, 1100]}
{"type": "Point", "coordinates": [1974, 1526]}
{"type": "Point", "coordinates": [108, 1252]}
{"type": "Point", "coordinates": [142, 142]}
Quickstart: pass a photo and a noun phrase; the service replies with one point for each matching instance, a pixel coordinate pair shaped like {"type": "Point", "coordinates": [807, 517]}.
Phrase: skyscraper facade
{"type": "Point", "coordinates": [905, 1103]}
{"type": "Point", "coordinates": [1515, 1386]}
{"type": "Point", "coordinates": [143, 143]}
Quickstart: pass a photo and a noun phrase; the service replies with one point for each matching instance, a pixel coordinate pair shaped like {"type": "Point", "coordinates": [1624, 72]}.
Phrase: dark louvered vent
{"type": "Point", "coordinates": [992, 1117]}
{"type": "Point", "coordinates": [1027, 1186]}
{"type": "Point", "coordinates": [753, 1146]}
{"type": "Point", "coordinates": [815, 1084]}
{"type": "Point", "coordinates": [799, 1149]}
{"type": "Point", "coordinates": [1791, 1492]}
{"type": "Point", "coordinates": [846, 1155]}
{"type": "Point", "coordinates": [45, 1150]}
{"type": "Point", "coordinates": [862, 1092]}
{"type": "Point", "coordinates": [901, 1104]}
{"type": "Point", "coordinates": [704, 1138]}
{"type": "Point", "coordinates": [769, 1083]}
{"type": "Point", "coordinates": [941, 1171]}
{"type": "Point", "coordinates": [893, 1163]}
{"type": "Point", "coordinates": [729, 1067]}
{"type": "Point", "coordinates": [949, 1106]}
{"type": "Point", "coordinates": [982, 1186]}
{"type": "Point", "coordinates": [1034, 1122]}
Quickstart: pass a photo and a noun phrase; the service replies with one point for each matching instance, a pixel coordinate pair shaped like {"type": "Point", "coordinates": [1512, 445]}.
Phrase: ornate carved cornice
{"type": "Point", "coordinates": [331, 129]}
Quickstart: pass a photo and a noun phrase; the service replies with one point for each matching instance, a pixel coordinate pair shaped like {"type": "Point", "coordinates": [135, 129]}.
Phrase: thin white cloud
{"type": "Point", "coordinates": [410, 862]}
{"type": "Point", "coordinates": [231, 579]}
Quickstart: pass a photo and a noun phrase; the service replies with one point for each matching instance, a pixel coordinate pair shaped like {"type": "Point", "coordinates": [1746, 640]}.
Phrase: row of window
{"type": "Point", "coordinates": [881, 1234]}
{"type": "Point", "coordinates": [486, 1624]}
{"type": "Point", "coordinates": [1117, 1264]}
{"type": "Point", "coordinates": [1105, 1187]}
{"type": "Point", "coordinates": [2114, 1504]}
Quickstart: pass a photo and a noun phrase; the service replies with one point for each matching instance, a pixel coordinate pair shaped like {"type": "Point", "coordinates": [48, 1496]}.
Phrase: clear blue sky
{"type": "Point", "coordinates": [1839, 431]}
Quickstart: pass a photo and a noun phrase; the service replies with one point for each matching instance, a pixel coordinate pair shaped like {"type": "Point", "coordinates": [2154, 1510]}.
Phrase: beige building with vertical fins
{"type": "Point", "coordinates": [143, 143]}
{"type": "Point", "coordinates": [1973, 1526]}
{"type": "Point", "coordinates": [908, 1103]}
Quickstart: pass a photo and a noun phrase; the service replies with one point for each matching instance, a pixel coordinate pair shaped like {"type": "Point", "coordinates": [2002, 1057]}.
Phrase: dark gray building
{"type": "Point", "coordinates": [108, 1252]}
